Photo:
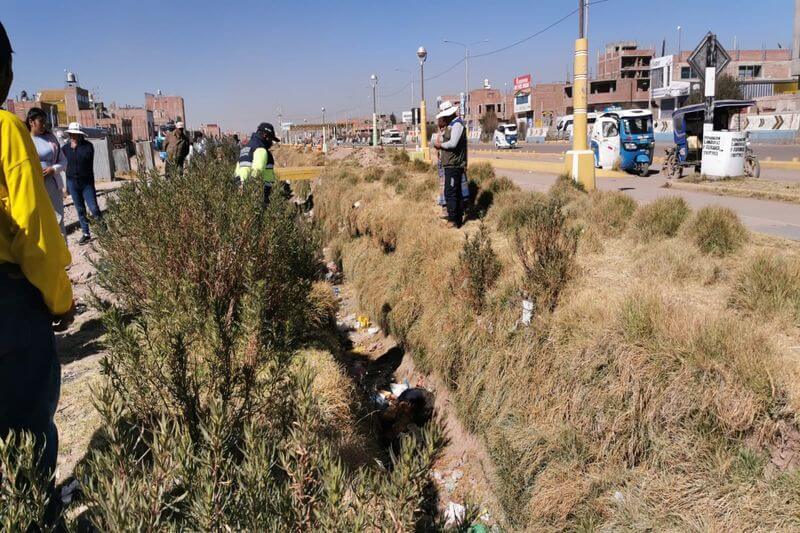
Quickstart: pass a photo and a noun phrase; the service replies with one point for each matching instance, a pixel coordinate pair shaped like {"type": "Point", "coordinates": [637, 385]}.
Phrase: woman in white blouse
{"type": "Point", "coordinates": [52, 158]}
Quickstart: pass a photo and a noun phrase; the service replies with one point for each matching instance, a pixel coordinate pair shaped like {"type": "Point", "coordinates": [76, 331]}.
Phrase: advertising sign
{"type": "Point", "coordinates": [522, 83]}
{"type": "Point", "coordinates": [407, 116]}
{"type": "Point", "coordinates": [522, 103]}
{"type": "Point", "coordinates": [662, 85]}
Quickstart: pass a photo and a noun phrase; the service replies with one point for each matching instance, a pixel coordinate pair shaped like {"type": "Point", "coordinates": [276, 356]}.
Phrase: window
{"type": "Point", "coordinates": [610, 129]}
{"type": "Point", "coordinates": [637, 126]}
{"type": "Point", "coordinates": [749, 71]}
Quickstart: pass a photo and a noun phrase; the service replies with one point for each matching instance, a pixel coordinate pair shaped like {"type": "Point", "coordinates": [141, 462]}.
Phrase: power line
{"type": "Point", "coordinates": [428, 78]}
{"type": "Point", "coordinates": [406, 86]}
{"type": "Point", "coordinates": [546, 28]}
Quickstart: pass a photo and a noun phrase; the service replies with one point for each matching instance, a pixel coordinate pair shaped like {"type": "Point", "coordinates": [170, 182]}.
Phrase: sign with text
{"type": "Point", "coordinates": [709, 46]}
{"type": "Point", "coordinates": [522, 103]}
{"type": "Point", "coordinates": [522, 83]}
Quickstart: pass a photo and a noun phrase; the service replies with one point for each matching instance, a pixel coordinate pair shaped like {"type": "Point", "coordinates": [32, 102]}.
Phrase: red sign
{"type": "Point", "coordinates": [522, 83]}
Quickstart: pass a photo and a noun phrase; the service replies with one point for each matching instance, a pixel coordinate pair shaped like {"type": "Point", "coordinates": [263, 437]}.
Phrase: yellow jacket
{"type": "Point", "coordinates": [29, 233]}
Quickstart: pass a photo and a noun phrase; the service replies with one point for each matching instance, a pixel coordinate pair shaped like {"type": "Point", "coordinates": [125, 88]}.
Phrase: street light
{"type": "Point", "coordinates": [465, 103]}
{"type": "Point", "coordinates": [679, 44]}
{"type": "Point", "coordinates": [324, 137]}
{"type": "Point", "coordinates": [411, 75]}
{"type": "Point", "coordinates": [374, 80]}
{"type": "Point", "coordinates": [422, 54]}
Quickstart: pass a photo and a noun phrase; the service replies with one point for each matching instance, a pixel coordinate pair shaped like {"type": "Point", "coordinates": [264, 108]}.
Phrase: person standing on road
{"type": "Point", "coordinates": [53, 161]}
{"type": "Point", "coordinates": [34, 287]}
{"type": "Point", "coordinates": [255, 159]}
{"type": "Point", "coordinates": [454, 162]}
{"type": "Point", "coordinates": [176, 145]}
{"type": "Point", "coordinates": [80, 177]}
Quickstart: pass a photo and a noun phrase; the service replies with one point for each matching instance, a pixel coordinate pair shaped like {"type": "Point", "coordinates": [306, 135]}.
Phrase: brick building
{"type": "Point", "coordinates": [68, 102]}
{"type": "Point", "coordinates": [142, 123]}
{"type": "Point", "coordinates": [482, 101]}
{"type": "Point", "coordinates": [211, 130]}
{"type": "Point", "coordinates": [548, 102]}
{"type": "Point", "coordinates": [165, 108]}
{"type": "Point", "coordinates": [21, 107]}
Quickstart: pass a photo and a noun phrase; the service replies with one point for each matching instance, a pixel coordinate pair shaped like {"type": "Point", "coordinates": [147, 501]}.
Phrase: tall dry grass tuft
{"type": "Point", "coordinates": [546, 249]}
{"type": "Point", "coordinates": [610, 212]}
{"type": "Point", "coordinates": [769, 285]}
{"type": "Point", "coordinates": [660, 218]}
{"type": "Point", "coordinates": [477, 269]}
{"type": "Point", "coordinates": [716, 231]}
{"type": "Point", "coordinates": [514, 209]}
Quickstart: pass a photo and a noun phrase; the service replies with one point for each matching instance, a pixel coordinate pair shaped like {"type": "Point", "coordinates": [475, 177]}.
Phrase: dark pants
{"type": "Point", "coordinates": [452, 194]}
{"type": "Point", "coordinates": [30, 375]}
{"type": "Point", "coordinates": [267, 192]}
{"type": "Point", "coordinates": [83, 195]}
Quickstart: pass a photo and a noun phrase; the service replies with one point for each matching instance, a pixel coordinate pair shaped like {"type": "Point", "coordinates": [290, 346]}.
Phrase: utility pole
{"type": "Point", "coordinates": [374, 79]}
{"type": "Point", "coordinates": [796, 42]}
{"type": "Point", "coordinates": [324, 137]}
{"type": "Point", "coordinates": [579, 161]}
{"type": "Point", "coordinates": [422, 54]}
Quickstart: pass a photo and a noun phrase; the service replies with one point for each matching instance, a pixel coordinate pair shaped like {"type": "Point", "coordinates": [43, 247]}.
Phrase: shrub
{"type": "Point", "coordinates": [477, 269]}
{"type": "Point", "coordinates": [609, 211]}
{"type": "Point", "coordinates": [399, 157]}
{"type": "Point", "coordinates": [565, 189]}
{"type": "Point", "coordinates": [418, 165]}
{"type": "Point", "coordinates": [770, 285]}
{"type": "Point", "coordinates": [480, 173]}
{"type": "Point", "coordinates": [546, 248]}
{"type": "Point", "coordinates": [717, 231]}
{"type": "Point", "coordinates": [514, 209]}
{"type": "Point", "coordinates": [661, 218]}
{"type": "Point", "coordinates": [24, 495]}
{"type": "Point", "coordinates": [373, 173]}
{"type": "Point", "coordinates": [394, 175]}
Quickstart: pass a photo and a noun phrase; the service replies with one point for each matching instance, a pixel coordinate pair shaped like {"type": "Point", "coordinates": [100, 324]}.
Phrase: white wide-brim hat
{"type": "Point", "coordinates": [75, 127]}
{"type": "Point", "coordinates": [447, 109]}
{"type": "Point", "coordinates": [179, 125]}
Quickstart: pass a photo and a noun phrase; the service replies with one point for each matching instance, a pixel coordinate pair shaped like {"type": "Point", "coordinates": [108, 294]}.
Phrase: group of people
{"type": "Point", "coordinates": [35, 291]}
{"type": "Point", "coordinates": [450, 143]}
{"type": "Point", "coordinates": [75, 158]}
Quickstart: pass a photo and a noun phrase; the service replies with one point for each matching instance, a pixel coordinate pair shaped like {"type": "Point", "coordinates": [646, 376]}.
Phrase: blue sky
{"type": "Point", "coordinates": [237, 62]}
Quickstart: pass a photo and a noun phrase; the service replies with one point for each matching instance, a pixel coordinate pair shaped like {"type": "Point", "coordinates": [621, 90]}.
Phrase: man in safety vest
{"type": "Point", "coordinates": [255, 159]}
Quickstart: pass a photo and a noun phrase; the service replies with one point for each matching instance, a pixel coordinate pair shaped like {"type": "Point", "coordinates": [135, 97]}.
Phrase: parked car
{"type": "Point", "coordinates": [392, 137]}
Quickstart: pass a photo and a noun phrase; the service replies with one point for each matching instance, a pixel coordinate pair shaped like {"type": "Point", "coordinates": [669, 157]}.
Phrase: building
{"type": "Point", "coordinates": [763, 75]}
{"type": "Point", "coordinates": [483, 101]}
{"type": "Point", "coordinates": [142, 122]}
{"type": "Point", "coordinates": [622, 78]}
{"type": "Point", "coordinates": [21, 106]}
{"type": "Point", "coordinates": [212, 131]}
{"type": "Point", "coordinates": [68, 101]}
{"type": "Point", "coordinates": [165, 108]}
{"type": "Point", "coordinates": [548, 101]}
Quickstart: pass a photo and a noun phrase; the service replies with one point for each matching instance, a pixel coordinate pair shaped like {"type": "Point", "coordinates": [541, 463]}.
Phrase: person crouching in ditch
{"type": "Point", "coordinates": [255, 159]}
{"type": "Point", "coordinates": [34, 287]}
{"type": "Point", "coordinates": [454, 162]}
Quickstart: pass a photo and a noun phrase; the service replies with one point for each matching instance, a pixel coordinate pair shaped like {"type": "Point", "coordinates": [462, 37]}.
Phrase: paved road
{"type": "Point", "coordinates": [778, 152]}
{"type": "Point", "coordinates": [774, 218]}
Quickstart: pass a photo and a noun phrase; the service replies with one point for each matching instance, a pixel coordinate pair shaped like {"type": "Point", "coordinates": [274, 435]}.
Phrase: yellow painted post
{"type": "Point", "coordinates": [579, 162]}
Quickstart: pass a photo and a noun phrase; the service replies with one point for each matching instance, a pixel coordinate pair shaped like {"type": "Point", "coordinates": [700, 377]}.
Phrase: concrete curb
{"type": "Point", "coordinates": [737, 192]}
{"type": "Point", "coordinates": [546, 167]}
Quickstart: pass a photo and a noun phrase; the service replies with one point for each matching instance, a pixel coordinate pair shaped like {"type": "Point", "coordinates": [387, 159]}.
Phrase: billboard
{"type": "Point", "coordinates": [522, 83]}
{"type": "Point", "coordinates": [522, 103]}
{"type": "Point", "coordinates": [407, 116]}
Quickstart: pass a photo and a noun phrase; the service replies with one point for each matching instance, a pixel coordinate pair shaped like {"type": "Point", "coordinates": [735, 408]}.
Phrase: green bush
{"type": "Point", "coordinates": [477, 269]}
{"type": "Point", "coordinates": [394, 175]}
{"type": "Point", "coordinates": [661, 218]}
{"type": "Point", "coordinates": [24, 495]}
{"type": "Point", "coordinates": [546, 249]}
{"type": "Point", "coordinates": [418, 165]}
{"type": "Point", "coordinates": [770, 285]}
{"type": "Point", "coordinates": [717, 231]}
{"type": "Point", "coordinates": [373, 173]}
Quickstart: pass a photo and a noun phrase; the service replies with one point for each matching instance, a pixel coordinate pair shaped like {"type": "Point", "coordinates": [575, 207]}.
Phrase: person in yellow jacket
{"type": "Point", "coordinates": [34, 287]}
{"type": "Point", "coordinates": [255, 159]}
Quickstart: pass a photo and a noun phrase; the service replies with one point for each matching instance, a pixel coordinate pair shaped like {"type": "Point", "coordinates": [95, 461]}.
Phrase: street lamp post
{"type": "Point", "coordinates": [413, 121]}
{"type": "Point", "coordinates": [422, 54]}
{"type": "Point", "coordinates": [465, 103]}
{"type": "Point", "coordinates": [374, 80]}
{"type": "Point", "coordinates": [324, 137]}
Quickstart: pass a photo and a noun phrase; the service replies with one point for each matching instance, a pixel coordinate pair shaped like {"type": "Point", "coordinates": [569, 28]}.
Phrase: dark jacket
{"type": "Point", "coordinates": [177, 146]}
{"type": "Point", "coordinates": [80, 162]}
{"type": "Point", "coordinates": [455, 157]}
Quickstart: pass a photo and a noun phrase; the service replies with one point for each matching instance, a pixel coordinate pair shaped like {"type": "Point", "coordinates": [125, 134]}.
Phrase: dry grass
{"type": "Point", "coordinates": [661, 218]}
{"type": "Point", "coordinates": [769, 285]}
{"type": "Point", "coordinates": [641, 401]}
{"type": "Point", "coordinates": [785, 191]}
{"type": "Point", "coordinates": [717, 231]}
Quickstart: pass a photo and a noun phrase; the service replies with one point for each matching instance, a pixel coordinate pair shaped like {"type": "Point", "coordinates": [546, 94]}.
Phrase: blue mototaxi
{"type": "Point", "coordinates": [624, 139]}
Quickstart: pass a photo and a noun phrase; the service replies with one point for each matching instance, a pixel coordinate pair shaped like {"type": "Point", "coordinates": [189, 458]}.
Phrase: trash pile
{"type": "Point", "coordinates": [402, 408]}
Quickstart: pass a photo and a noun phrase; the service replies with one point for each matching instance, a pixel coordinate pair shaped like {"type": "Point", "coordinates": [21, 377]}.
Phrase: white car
{"type": "Point", "coordinates": [505, 136]}
{"type": "Point", "coordinates": [392, 137]}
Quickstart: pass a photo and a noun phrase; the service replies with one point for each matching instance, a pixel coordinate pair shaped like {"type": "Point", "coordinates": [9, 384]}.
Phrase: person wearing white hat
{"type": "Point", "coordinates": [80, 177]}
{"type": "Point", "coordinates": [177, 147]}
{"type": "Point", "coordinates": [453, 147]}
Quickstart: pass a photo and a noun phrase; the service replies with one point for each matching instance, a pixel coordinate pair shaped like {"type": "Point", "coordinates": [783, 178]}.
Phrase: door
{"type": "Point", "coordinates": [605, 142]}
